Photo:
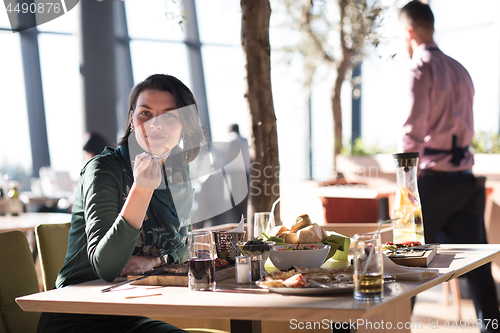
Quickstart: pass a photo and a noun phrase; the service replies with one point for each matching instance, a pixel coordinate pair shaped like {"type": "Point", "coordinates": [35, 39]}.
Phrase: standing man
{"type": "Point", "coordinates": [239, 176]}
{"type": "Point", "coordinates": [440, 127]}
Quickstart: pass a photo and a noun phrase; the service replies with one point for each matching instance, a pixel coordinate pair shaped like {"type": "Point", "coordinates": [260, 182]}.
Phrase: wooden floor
{"type": "Point", "coordinates": [432, 315]}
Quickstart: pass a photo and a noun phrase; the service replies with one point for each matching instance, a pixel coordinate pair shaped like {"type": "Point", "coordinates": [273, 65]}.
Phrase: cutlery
{"type": "Point", "coordinates": [163, 155]}
{"type": "Point", "coordinates": [333, 285]}
{"type": "Point", "coordinates": [152, 272]}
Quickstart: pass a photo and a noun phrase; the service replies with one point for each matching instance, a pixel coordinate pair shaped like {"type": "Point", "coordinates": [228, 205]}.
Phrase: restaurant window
{"type": "Point", "coordinates": [219, 25]}
{"type": "Point", "coordinates": [4, 20]}
{"type": "Point", "coordinates": [225, 92]}
{"type": "Point", "coordinates": [67, 23]}
{"type": "Point", "coordinates": [153, 57]}
{"type": "Point", "coordinates": [63, 101]}
{"type": "Point", "coordinates": [156, 40]}
{"type": "Point", "coordinates": [152, 22]}
{"type": "Point", "coordinates": [15, 148]}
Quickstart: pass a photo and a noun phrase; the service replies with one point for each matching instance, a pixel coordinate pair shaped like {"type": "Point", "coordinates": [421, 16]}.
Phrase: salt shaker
{"type": "Point", "coordinates": [256, 267]}
{"type": "Point", "coordinates": [243, 269]}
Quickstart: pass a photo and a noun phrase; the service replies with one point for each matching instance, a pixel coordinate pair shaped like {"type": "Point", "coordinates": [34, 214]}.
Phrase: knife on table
{"type": "Point", "coordinates": [152, 272]}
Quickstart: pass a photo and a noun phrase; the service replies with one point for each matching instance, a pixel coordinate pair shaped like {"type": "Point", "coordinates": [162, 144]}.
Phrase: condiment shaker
{"type": "Point", "coordinates": [243, 269]}
{"type": "Point", "coordinates": [256, 267]}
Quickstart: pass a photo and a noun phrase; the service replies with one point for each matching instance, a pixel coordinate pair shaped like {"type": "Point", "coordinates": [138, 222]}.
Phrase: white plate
{"type": "Point", "coordinates": [343, 288]}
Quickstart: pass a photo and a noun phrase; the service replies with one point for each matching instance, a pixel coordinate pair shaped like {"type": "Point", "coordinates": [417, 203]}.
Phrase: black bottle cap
{"type": "Point", "coordinates": [406, 156]}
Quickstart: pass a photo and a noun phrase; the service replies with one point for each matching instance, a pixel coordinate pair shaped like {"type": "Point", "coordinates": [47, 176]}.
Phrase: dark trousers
{"type": "Point", "coordinates": [81, 323]}
{"type": "Point", "coordinates": [453, 213]}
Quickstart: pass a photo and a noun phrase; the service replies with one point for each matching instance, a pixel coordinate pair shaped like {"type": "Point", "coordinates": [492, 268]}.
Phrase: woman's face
{"type": "Point", "coordinates": [156, 121]}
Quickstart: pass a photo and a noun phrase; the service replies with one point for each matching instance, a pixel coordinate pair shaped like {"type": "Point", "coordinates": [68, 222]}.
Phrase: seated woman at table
{"type": "Point", "coordinates": [133, 205]}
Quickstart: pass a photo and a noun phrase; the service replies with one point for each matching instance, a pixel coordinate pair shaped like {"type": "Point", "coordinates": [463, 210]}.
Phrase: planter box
{"type": "Point", "coordinates": [352, 202]}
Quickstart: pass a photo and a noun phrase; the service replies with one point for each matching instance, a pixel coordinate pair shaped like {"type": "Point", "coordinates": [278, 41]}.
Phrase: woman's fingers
{"type": "Point", "coordinates": [142, 161]}
{"type": "Point", "coordinates": [147, 172]}
{"type": "Point", "coordinates": [137, 265]}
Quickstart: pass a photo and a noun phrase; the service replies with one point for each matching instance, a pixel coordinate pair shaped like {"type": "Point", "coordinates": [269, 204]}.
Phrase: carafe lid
{"type": "Point", "coordinates": [405, 156]}
{"type": "Point", "coordinates": [406, 159]}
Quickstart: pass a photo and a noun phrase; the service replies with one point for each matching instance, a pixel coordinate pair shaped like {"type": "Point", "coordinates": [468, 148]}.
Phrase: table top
{"type": "Point", "coordinates": [248, 302]}
{"type": "Point", "coordinates": [354, 191]}
{"type": "Point", "coordinates": [28, 221]}
{"type": "Point", "coordinates": [462, 258]}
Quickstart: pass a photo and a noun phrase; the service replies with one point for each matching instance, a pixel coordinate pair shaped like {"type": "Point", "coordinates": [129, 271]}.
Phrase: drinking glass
{"type": "Point", "coordinates": [263, 222]}
{"type": "Point", "coordinates": [368, 267]}
{"type": "Point", "coordinates": [201, 256]}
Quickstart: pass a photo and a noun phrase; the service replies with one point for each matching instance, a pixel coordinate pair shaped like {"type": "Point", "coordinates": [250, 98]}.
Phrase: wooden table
{"type": "Point", "coordinates": [28, 221]}
{"type": "Point", "coordinates": [248, 306]}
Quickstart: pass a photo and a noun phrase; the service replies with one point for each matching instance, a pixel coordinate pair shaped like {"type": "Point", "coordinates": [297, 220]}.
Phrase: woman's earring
{"type": "Point", "coordinates": [181, 142]}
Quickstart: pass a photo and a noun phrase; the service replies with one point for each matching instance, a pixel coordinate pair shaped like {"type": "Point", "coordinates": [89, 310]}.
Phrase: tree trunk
{"type": "Point", "coordinates": [341, 69]}
{"type": "Point", "coordinates": [264, 171]}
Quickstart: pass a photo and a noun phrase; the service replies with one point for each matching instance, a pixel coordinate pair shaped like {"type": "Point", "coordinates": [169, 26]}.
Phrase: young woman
{"type": "Point", "coordinates": [132, 208]}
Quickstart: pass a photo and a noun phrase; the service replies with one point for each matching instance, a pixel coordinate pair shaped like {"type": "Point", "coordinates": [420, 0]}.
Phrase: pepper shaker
{"type": "Point", "coordinates": [256, 267]}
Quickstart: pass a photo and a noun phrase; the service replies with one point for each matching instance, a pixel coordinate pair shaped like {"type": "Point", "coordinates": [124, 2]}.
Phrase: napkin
{"type": "Point", "coordinates": [240, 227]}
{"type": "Point", "coordinates": [407, 273]}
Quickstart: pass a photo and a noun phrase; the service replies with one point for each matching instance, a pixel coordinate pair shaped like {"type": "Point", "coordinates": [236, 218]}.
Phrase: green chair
{"type": "Point", "coordinates": [52, 244]}
{"type": "Point", "coordinates": [18, 278]}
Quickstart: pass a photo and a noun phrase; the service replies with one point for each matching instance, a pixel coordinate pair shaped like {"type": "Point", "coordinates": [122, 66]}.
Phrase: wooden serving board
{"type": "Point", "coordinates": [420, 258]}
{"type": "Point", "coordinates": [180, 280]}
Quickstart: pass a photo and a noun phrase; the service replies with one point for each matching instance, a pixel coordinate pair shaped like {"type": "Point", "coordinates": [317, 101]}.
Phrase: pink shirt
{"type": "Point", "coordinates": [441, 106]}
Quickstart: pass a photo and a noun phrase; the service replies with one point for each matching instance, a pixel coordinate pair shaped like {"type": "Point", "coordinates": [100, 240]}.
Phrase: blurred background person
{"type": "Point", "coordinates": [94, 145]}
{"type": "Point", "coordinates": [440, 127]}
{"type": "Point", "coordinates": [236, 174]}
{"type": "Point", "coordinates": [235, 136]}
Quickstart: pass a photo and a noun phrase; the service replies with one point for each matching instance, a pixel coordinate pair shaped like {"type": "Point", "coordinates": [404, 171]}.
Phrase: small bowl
{"type": "Point", "coordinates": [284, 260]}
{"type": "Point", "coordinates": [262, 249]}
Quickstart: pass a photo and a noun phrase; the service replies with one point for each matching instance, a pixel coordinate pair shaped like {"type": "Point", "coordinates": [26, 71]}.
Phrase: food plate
{"type": "Point", "coordinates": [338, 289]}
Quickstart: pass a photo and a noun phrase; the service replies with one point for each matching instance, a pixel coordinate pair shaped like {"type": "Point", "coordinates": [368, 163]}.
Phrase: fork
{"type": "Point", "coordinates": [164, 155]}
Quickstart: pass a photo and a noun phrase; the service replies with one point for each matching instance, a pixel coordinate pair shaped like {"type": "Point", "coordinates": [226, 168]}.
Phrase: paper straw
{"type": "Point", "coordinates": [274, 206]}
{"type": "Point", "coordinates": [373, 246]}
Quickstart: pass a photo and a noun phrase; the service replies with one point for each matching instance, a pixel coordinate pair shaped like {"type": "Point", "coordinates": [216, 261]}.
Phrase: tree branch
{"type": "Point", "coordinates": [305, 25]}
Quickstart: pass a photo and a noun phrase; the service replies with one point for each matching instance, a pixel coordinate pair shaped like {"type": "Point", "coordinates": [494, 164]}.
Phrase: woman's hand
{"type": "Point", "coordinates": [147, 177]}
{"type": "Point", "coordinates": [140, 264]}
{"type": "Point", "coordinates": [147, 172]}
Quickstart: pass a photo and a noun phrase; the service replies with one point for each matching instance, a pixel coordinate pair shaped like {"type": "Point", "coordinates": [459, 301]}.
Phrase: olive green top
{"type": "Point", "coordinates": [100, 240]}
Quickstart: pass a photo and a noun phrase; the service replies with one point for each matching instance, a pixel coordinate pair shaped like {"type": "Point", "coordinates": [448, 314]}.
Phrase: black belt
{"type": "Point", "coordinates": [430, 172]}
{"type": "Point", "coordinates": [458, 154]}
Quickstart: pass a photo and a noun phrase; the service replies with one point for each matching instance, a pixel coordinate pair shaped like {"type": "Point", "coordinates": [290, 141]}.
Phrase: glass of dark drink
{"type": "Point", "coordinates": [201, 256]}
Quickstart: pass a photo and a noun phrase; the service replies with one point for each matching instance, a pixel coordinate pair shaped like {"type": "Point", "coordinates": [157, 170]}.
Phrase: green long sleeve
{"type": "Point", "coordinates": [100, 240]}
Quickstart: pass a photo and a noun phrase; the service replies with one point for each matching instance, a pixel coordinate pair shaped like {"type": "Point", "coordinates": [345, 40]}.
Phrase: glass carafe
{"type": "Point", "coordinates": [407, 207]}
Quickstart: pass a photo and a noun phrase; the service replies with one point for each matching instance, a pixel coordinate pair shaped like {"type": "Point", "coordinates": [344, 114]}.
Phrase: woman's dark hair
{"type": "Point", "coordinates": [192, 131]}
{"type": "Point", "coordinates": [418, 14]}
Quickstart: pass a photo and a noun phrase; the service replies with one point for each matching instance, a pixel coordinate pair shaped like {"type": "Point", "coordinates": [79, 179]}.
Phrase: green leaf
{"type": "Point", "coordinates": [277, 240]}
{"type": "Point", "coordinates": [340, 243]}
